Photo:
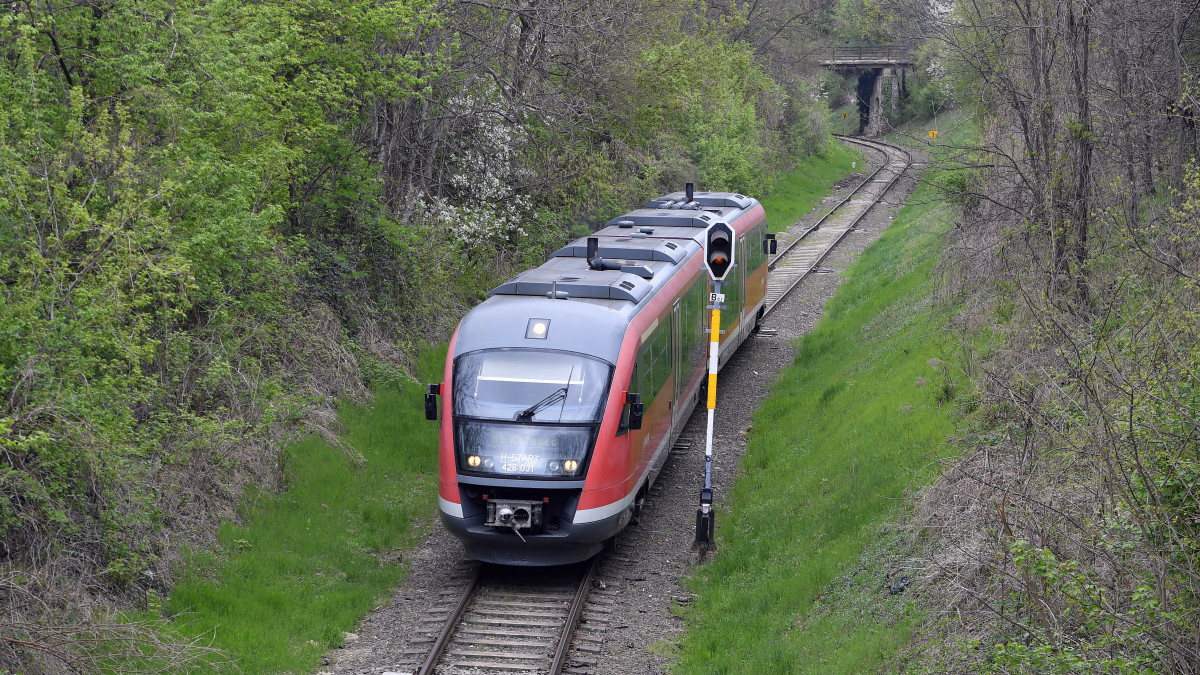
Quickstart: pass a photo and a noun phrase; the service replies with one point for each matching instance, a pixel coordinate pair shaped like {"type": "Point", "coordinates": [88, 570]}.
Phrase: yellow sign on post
{"type": "Point", "coordinates": [933, 134]}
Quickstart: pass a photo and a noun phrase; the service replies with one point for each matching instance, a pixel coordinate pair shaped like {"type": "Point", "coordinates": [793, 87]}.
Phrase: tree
{"type": "Point", "coordinates": [1070, 251]}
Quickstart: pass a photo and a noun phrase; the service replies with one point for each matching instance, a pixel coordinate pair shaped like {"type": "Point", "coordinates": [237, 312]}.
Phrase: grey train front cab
{"type": "Point", "coordinates": [577, 342]}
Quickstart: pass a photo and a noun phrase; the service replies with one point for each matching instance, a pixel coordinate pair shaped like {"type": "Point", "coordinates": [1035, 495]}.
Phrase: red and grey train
{"type": "Point", "coordinates": [565, 390]}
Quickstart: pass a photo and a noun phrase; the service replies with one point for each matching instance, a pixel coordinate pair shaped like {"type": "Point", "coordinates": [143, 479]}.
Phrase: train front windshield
{"type": "Point", "coordinates": [522, 413]}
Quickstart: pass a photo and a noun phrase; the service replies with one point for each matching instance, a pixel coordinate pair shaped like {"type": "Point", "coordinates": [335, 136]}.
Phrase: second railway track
{"type": "Point", "coordinates": [802, 255]}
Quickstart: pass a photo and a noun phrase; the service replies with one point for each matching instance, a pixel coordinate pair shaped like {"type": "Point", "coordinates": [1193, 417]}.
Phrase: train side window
{"type": "Point", "coordinates": [623, 427]}
{"type": "Point", "coordinates": [732, 288]}
{"type": "Point", "coordinates": [695, 302]}
{"type": "Point", "coordinates": [758, 256]}
{"type": "Point", "coordinates": [653, 366]}
{"type": "Point", "coordinates": [651, 370]}
{"type": "Point", "coordinates": [658, 362]}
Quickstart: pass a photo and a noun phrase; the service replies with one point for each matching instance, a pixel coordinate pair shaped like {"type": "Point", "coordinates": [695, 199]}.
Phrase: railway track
{"type": "Point", "coordinates": [519, 620]}
{"type": "Point", "coordinates": [802, 256]}
{"type": "Point", "coordinates": [493, 619]}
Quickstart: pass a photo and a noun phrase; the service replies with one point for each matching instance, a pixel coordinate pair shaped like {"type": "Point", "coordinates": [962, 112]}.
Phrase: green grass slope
{"type": "Point", "coordinates": [306, 565]}
{"type": "Point", "coordinates": [799, 190]}
{"type": "Point", "coordinates": [856, 421]}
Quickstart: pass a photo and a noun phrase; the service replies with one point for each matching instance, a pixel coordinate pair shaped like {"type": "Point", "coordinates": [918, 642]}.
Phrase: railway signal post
{"type": "Point", "coordinates": [718, 260]}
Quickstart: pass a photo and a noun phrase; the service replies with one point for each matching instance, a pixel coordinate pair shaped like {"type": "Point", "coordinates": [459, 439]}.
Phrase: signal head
{"type": "Point", "coordinates": [718, 250]}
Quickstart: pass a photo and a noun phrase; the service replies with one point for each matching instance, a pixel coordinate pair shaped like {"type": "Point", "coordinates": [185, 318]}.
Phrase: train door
{"type": "Point", "coordinates": [677, 357]}
{"type": "Point", "coordinates": [742, 267]}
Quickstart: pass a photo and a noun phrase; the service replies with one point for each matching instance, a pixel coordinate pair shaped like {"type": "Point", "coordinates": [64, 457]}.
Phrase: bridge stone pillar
{"type": "Point", "coordinates": [885, 96]}
{"type": "Point", "coordinates": [896, 91]}
{"type": "Point", "coordinates": [875, 119]}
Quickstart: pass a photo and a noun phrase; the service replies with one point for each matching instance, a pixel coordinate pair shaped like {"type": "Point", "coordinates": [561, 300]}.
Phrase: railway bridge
{"type": "Point", "coordinates": [881, 70]}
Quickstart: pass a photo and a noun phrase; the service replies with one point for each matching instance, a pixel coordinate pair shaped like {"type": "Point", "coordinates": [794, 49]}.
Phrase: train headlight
{"type": "Point", "coordinates": [570, 465]}
{"type": "Point", "coordinates": [474, 461]}
{"type": "Point", "coordinates": [488, 464]}
{"type": "Point", "coordinates": [554, 466]}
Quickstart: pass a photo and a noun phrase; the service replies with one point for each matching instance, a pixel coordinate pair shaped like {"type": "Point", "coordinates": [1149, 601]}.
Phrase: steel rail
{"type": "Point", "coordinates": [876, 145]}
{"type": "Point", "coordinates": [573, 614]}
{"type": "Point", "coordinates": [443, 638]}
{"type": "Point", "coordinates": [887, 188]}
{"type": "Point", "coordinates": [817, 225]}
{"type": "Point", "coordinates": [478, 587]}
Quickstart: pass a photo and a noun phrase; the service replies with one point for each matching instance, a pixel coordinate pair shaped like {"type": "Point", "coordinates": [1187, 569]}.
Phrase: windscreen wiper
{"type": "Point", "coordinates": [555, 396]}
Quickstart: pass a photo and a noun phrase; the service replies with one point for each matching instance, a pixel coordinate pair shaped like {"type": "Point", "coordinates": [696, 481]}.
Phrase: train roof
{"type": "Point", "coordinates": [590, 296]}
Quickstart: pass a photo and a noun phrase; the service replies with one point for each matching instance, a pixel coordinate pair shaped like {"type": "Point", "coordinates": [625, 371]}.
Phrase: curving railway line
{"type": "Point", "coordinates": [800, 256]}
{"type": "Point", "coordinates": [494, 619]}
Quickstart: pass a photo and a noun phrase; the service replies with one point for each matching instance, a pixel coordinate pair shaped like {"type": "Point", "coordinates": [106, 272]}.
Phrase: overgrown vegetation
{"type": "Point", "coordinates": [805, 566]}
{"type": "Point", "coordinates": [221, 217]}
{"type": "Point", "coordinates": [1065, 540]}
{"type": "Point", "coordinates": [304, 566]}
{"type": "Point", "coordinates": [799, 190]}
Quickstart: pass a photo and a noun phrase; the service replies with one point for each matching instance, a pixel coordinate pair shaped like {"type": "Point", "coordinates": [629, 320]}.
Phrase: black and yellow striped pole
{"type": "Point", "coordinates": [718, 259]}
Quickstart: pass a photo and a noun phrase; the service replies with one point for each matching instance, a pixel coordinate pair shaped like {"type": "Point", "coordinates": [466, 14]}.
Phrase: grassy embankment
{"type": "Point", "coordinates": [806, 558]}
{"type": "Point", "coordinates": [798, 191]}
{"type": "Point", "coordinates": [308, 564]}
